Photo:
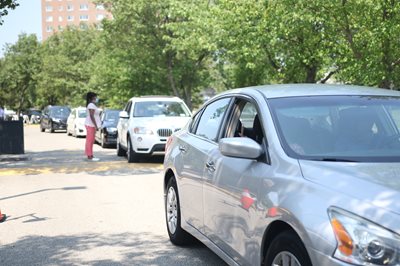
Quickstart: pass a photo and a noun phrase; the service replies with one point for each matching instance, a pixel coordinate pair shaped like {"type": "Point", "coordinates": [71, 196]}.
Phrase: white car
{"type": "Point", "coordinates": [146, 123]}
{"type": "Point", "coordinates": [76, 122]}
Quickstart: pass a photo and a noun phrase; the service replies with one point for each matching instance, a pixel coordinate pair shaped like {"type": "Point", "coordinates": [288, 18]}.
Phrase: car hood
{"type": "Point", "coordinates": [161, 122]}
{"type": "Point", "coordinates": [377, 183]}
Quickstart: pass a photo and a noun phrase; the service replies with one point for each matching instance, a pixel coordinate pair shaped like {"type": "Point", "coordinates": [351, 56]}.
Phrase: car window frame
{"type": "Point", "coordinates": [223, 119]}
{"type": "Point", "coordinates": [234, 106]}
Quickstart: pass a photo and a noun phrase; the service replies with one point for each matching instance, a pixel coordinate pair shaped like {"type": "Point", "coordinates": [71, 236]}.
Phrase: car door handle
{"type": "Point", "coordinates": [182, 148]}
{"type": "Point", "coordinates": [210, 166]}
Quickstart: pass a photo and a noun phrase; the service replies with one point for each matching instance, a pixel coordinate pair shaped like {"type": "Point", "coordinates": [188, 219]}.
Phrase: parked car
{"type": "Point", "coordinates": [54, 118]}
{"type": "Point", "coordinates": [34, 116]}
{"type": "Point", "coordinates": [76, 122]}
{"type": "Point", "coordinates": [313, 180]}
{"type": "Point", "coordinates": [146, 123]}
{"type": "Point", "coordinates": [106, 134]}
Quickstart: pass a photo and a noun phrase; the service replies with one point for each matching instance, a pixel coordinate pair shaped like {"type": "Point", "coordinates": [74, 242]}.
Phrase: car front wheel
{"type": "Point", "coordinates": [51, 128]}
{"type": "Point", "coordinates": [120, 151]}
{"type": "Point", "coordinates": [132, 155]}
{"type": "Point", "coordinates": [177, 235]}
{"type": "Point", "coordinates": [287, 249]}
{"type": "Point", "coordinates": [102, 141]}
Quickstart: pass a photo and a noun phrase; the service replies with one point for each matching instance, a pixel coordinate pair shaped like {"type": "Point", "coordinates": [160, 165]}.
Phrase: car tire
{"type": "Point", "coordinates": [132, 155]}
{"type": "Point", "coordinates": [289, 246]}
{"type": "Point", "coordinates": [102, 141]}
{"type": "Point", "coordinates": [51, 128]}
{"type": "Point", "coordinates": [176, 234]}
{"type": "Point", "coordinates": [68, 133]}
{"type": "Point", "coordinates": [120, 151]}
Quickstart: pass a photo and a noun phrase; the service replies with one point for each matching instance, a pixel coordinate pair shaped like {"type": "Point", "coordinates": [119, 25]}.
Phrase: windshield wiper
{"type": "Point", "coordinates": [332, 159]}
{"type": "Point", "coordinates": [337, 160]}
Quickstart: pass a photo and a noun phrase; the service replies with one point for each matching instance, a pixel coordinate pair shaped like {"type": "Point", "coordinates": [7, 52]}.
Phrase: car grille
{"type": "Point", "coordinates": [164, 132]}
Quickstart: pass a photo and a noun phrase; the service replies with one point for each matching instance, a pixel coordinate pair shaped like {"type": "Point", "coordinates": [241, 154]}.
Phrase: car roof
{"type": "Point", "coordinates": [293, 90]}
{"type": "Point", "coordinates": [155, 98]}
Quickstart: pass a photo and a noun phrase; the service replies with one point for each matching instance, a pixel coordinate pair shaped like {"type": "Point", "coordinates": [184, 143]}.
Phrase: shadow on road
{"type": "Point", "coordinates": [94, 249]}
{"type": "Point", "coordinates": [74, 161]}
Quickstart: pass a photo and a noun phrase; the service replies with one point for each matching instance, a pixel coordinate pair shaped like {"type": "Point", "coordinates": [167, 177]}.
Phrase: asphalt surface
{"type": "Point", "coordinates": [65, 210]}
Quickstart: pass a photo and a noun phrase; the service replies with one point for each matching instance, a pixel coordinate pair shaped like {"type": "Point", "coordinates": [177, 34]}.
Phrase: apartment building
{"type": "Point", "coordinates": [59, 14]}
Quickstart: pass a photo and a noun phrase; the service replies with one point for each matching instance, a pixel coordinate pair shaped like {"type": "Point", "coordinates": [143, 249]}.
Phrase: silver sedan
{"type": "Point", "coordinates": [289, 175]}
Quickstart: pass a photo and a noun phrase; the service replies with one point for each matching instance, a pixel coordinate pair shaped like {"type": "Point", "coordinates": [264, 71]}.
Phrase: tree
{"type": "Point", "coordinates": [65, 66]}
{"type": "Point", "coordinates": [148, 41]}
{"type": "Point", "coordinates": [17, 73]}
{"type": "Point", "coordinates": [4, 5]}
{"type": "Point", "coordinates": [369, 53]}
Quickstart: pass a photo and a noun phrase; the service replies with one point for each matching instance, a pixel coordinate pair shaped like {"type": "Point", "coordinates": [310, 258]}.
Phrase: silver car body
{"type": "Point", "coordinates": [237, 205]}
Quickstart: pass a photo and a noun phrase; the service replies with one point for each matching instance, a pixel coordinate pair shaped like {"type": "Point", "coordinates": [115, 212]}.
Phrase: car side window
{"type": "Point", "coordinates": [245, 122]}
{"type": "Point", "coordinates": [211, 119]}
{"type": "Point", "coordinates": [128, 107]}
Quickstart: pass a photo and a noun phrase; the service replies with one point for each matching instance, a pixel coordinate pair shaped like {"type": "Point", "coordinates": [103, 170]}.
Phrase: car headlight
{"type": "Point", "coordinates": [57, 120]}
{"type": "Point", "coordinates": [142, 130]}
{"type": "Point", "coordinates": [362, 242]}
{"type": "Point", "coordinates": [111, 129]}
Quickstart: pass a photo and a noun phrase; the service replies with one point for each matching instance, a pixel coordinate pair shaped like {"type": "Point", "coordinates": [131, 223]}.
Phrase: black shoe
{"type": "Point", "coordinates": [3, 218]}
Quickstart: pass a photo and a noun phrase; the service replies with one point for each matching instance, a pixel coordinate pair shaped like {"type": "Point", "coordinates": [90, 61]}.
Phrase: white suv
{"type": "Point", "coordinates": [146, 123]}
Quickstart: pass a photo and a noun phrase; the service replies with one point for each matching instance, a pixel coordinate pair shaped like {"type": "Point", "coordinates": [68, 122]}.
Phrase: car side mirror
{"type": "Point", "coordinates": [123, 114]}
{"type": "Point", "coordinates": [245, 148]}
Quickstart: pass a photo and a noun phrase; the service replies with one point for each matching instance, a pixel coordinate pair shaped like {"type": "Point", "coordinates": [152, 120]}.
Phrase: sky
{"type": "Point", "coordinates": [26, 18]}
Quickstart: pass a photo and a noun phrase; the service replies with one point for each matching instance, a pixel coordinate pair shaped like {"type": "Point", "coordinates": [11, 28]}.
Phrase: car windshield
{"type": "Point", "coordinates": [81, 113]}
{"type": "Point", "coordinates": [160, 108]}
{"type": "Point", "coordinates": [339, 128]}
{"type": "Point", "coordinates": [111, 116]}
{"type": "Point", "coordinates": [60, 112]}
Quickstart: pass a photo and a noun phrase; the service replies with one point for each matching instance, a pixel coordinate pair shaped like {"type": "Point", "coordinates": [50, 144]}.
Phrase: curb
{"type": "Point", "coordinates": [13, 157]}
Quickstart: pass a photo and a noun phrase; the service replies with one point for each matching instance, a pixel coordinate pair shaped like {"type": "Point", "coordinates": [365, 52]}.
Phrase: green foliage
{"type": "Point", "coordinates": [65, 67]}
{"type": "Point", "coordinates": [181, 47]}
{"type": "Point", "coordinates": [17, 73]}
{"type": "Point", "coordinates": [4, 5]}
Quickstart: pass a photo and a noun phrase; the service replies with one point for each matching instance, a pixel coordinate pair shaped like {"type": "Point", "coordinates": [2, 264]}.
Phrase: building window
{"type": "Point", "coordinates": [70, 18]}
{"type": "Point", "coordinates": [84, 17]}
{"type": "Point", "coordinates": [83, 7]}
{"type": "Point", "coordinates": [100, 6]}
{"type": "Point", "coordinates": [70, 7]}
{"type": "Point", "coordinates": [49, 8]}
{"type": "Point", "coordinates": [60, 8]}
{"type": "Point", "coordinates": [60, 18]}
{"type": "Point", "coordinates": [49, 28]}
{"type": "Point", "coordinates": [99, 16]}
{"type": "Point", "coordinates": [49, 18]}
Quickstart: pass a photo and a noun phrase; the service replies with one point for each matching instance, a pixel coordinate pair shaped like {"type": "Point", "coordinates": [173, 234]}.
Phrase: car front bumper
{"type": "Point", "coordinates": [149, 144]}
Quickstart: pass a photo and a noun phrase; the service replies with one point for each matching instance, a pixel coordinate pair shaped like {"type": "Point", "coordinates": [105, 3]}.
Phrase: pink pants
{"type": "Point", "coordinates": [90, 132]}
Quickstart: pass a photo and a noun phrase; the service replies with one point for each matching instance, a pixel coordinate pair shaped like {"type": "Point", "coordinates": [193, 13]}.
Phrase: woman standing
{"type": "Point", "coordinates": [92, 123]}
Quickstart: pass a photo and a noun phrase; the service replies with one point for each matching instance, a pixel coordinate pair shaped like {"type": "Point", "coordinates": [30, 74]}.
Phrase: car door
{"type": "Point", "coordinates": [230, 188]}
{"type": "Point", "coordinates": [124, 126]}
{"type": "Point", "coordinates": [194, 148]}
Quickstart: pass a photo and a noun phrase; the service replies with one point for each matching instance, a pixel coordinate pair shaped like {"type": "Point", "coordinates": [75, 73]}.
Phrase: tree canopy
{"type": "Point", "coordinates": [181, 47]}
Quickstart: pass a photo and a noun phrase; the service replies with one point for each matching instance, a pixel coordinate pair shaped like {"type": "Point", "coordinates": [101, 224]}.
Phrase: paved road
{"type": "Point", "coordinates": [64, 210]}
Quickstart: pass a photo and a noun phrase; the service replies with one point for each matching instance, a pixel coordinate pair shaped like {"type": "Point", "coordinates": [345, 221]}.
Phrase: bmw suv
{"type": "Point", "coordinates": [146, 123]}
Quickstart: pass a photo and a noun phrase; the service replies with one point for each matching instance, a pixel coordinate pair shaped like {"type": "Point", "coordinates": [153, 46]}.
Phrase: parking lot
{"type": "Point", "coordinates": [65, 210]}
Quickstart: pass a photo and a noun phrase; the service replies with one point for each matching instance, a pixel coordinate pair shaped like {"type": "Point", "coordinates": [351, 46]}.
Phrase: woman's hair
{"type": "Point", "coordinates": [89, 97]}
